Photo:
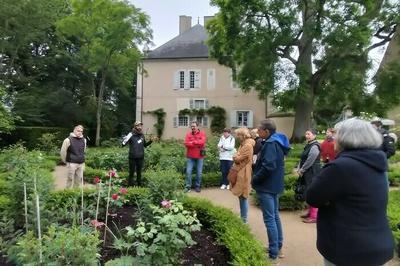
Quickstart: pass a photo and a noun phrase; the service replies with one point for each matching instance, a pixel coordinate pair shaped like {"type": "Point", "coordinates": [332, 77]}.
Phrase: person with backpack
{"type": "Point", "coordinates": [388, 144]}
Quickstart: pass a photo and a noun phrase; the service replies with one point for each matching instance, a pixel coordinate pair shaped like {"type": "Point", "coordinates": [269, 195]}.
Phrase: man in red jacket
{"type": "Point", "coordinates": [195, 141]}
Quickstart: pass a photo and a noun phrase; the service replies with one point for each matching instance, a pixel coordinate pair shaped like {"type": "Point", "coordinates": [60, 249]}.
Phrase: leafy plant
{"type": "Point", "coordinates": [60, 246]}
{"type": "Point", "coordinates": [163, 239]}
{"type": "Point", "coordinates": [48, 142]}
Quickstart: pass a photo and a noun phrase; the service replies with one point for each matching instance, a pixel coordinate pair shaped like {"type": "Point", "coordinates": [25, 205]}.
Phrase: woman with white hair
{"type": "Point", "coordinates": [351, 193]}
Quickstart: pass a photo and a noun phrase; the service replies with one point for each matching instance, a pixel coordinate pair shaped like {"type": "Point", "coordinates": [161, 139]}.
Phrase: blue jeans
{"type": "Point", "coordinates": [270, 208]}
{"type": "Point", "coordinates": [244, 208]}
{"type": "Point", "coordinates": [225, 165]}
{"type": "Point", "coordinates": [190, 162]}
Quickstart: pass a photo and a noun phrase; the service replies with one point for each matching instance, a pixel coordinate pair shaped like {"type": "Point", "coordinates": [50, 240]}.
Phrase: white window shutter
{"type": "Point", "coordinates": [233, 118]}
{"type": "Point", "coordinates": [176, 79]}
{"type": "Point", "coordinates": [211, 79]}
{"type": "Point", "coordinates": [197, 78]}
{"type": "Point", "coordinates": [250, 119]}
{"type": "Point", "coordinates": [187, 79]}
{"type": "Point", "coordinates": [205, 104]}
{"type": "Point", "coordinates": [175, 121]}
{"type": "Point", "coordinates": [205, 121]}
{"type": "Point", "coordinates": [191, 104]}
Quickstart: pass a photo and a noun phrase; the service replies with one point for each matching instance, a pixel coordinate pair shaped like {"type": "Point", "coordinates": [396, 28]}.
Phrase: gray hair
{"type": "Point", "coordinates": [268, 124]}
{"type": "Point", "coordinates": [355, 133]}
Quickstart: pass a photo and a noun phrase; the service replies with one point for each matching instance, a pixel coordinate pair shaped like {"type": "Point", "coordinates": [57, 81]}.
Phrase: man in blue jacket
{"type": "Point", "coordinates": [268, 183]}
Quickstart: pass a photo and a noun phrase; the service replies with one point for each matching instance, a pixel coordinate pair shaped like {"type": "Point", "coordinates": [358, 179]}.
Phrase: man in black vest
{"type": "Point", "coordinates": [137, 143]}
{"type": "Point", "coordinates": [73, 154]}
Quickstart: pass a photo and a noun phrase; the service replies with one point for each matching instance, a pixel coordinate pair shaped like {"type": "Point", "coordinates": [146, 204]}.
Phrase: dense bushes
{"type": "Point", "coordinates": [394, 216]}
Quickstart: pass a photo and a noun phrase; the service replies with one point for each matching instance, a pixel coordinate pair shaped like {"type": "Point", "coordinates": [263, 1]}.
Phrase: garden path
{"type": "Point", "coordinates": [299, 238]}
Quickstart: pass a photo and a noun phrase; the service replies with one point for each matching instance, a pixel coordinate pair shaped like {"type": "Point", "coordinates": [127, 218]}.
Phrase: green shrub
{"type": "Point", "coordinates": [107, 158]}
{"type": "Point", "coordinates": [230, 231]}
{"type": "Point", "coordinates": [287, 201]}
{"type": "Point", "coordinates": [60, 246]}
{"type": "Point", "coordinates": [211, 179]}
{"type": "Point", "coordinates": [394, 174]}
{"type": "Point", "coordinates": [49, 142]}
{"type": "Point", "coordinates": [163, 185]}
{"type": "Point", "coordinates": [393, 213]}
{"type": "Point", "coordinates": [111, 143]}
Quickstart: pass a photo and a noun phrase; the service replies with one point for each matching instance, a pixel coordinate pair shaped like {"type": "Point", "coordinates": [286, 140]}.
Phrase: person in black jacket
{"type": "Point", "coordinates": [137, 143]}
{"type": "Point", "coordinates": [388, 145]}
{"type": "Point", "coordinates": [351, 193]}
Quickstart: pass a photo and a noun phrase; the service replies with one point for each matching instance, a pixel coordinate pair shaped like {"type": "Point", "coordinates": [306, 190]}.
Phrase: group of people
{"type": "Point", "coordinates": [345, 178]}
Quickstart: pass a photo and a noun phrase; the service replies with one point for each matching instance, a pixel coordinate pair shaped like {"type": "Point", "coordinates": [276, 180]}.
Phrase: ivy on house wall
{"type": "Point", "coordinates": [160, 116]}
{"type": "Point", "coordinates": [217, 114]}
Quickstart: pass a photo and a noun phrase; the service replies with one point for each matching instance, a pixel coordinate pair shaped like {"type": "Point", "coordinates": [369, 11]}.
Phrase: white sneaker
{"type": "Point", "coordinates": [223, 186]}
{"type": "Point", "coordinates": [227, 187]}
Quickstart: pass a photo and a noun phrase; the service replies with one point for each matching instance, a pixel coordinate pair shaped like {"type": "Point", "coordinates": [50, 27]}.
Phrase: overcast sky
{"type": "Point", "coordinates": [164, 15]}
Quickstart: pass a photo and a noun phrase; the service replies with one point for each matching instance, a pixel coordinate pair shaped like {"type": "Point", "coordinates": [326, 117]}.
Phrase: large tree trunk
{"type": "Point", "coordinates": [100, 107]}
{"type": "Point", "coordinates": [305, 92]}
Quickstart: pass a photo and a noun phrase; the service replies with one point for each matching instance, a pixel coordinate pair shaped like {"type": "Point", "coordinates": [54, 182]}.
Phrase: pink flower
{"type": "Point", "coordinates": [111, 173]}
{"type": "Point", "coordinates": [96, 180]}
{"type": "Point", "coordinates": [96, 224]}
{"type": "Point", "coordinates": [114, 196]}
{"type": "Point", "coordinates": [123, 191]}
{"type": "Point", "coordinates": [166, 204]}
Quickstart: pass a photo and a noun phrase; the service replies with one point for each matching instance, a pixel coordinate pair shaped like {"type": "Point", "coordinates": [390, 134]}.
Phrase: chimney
{"type": "Point", "coordinates": [206, 19]}
{"type": "Point", "coordinates": [185, 23]}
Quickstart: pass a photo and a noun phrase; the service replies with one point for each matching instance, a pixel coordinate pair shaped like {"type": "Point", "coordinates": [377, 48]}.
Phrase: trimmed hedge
{"type": "Point", "coordinates": [230, 231]}
{"type": "Point", "coordinates": [393, 212]}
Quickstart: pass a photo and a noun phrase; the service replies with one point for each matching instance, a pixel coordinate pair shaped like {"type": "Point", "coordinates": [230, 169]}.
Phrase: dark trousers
{"type": "Point", "coordinates": [225, 165]}
{"type": "Point", "coordinates": [135, 165]}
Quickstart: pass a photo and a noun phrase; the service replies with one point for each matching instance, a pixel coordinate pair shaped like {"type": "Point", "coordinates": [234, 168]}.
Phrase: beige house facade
{"type": "Point", "coordinates": [180, 75]}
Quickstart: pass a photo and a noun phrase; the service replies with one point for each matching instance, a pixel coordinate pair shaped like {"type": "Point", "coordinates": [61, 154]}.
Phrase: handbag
{"type": "Point", "coordinates": [232, 176]}
{"type": "Point", "coordinates": [300, 189]}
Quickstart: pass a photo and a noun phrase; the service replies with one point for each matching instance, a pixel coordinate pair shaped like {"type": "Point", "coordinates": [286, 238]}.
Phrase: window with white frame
{"type": "Point", "coordinates": [201, 120]}
{"type": "Point", "coordinates": [198, 104]}
{"type": "Point", "coordinates": [242, 118]}
{"type": "Point", "coordinates": [187, 79]}
{"type": "Point", "coordinates": [183, 121]}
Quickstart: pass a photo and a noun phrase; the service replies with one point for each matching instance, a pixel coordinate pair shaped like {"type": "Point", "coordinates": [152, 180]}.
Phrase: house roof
{"type": "Point", "coordinates": [189, 44]}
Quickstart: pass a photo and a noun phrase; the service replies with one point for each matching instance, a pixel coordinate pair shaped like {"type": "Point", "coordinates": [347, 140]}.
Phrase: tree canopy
{"type": "Point", "coordinates": [64, 62]}
{"type": "Point", "coordinates": [308, 55]}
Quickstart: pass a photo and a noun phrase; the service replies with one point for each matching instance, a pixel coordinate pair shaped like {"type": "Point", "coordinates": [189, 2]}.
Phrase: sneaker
{"type": "Point", "coordinates": [309, 221]}
{"type": "Point", "coordinates": [273, 261]}
{"type": "Point", "coordinates": [227, 187]}
{"type": "Point", "coordinates": [198, 190]}
{"type": "Point", "coordinates": [186, 190]}
{"type": "Point", "coordinates": [223, 187]}
{"type": "Point", "coordinates": [280, 254]}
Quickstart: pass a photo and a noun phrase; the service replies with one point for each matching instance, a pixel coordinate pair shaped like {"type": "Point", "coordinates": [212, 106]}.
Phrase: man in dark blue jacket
{"type": "Point", "coordinates": [137, 143]}
{"type": "Point", "coordinates": [268, 182]}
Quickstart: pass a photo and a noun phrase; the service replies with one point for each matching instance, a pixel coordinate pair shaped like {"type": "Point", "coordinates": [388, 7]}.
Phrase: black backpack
{"type": "Point", "coordinates": [388, 145]}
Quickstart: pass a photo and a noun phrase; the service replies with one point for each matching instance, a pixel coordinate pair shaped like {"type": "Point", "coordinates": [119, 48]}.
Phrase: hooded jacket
{"type": "Point", "coordinates": [351, 193]}
{"type": "Point", "coordinates": [270, 167]}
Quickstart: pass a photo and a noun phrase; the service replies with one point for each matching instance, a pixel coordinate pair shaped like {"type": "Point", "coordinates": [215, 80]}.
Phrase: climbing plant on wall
{"type": "Point", "coordinates": [160, 116]}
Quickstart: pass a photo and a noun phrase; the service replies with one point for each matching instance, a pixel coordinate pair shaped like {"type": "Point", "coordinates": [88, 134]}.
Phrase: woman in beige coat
{"type": "Point", "coordinates": [243, 161]}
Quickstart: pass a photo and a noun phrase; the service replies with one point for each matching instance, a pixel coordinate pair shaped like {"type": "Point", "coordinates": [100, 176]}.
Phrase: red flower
{"type": "Point", "coordinates": [111, 173]}
{"type": "Point", "coordinates": [96, 180]}
{"type": "Point", "coordinates": [96, 223]}
{"type": "Point", "coordinates": [114, 196]}
{"type": "Point", "coordinates": [123, 191]}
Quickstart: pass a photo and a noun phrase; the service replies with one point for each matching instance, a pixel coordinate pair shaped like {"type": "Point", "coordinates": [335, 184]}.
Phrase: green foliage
{"type": "Point", "coordinates": [34, 137]}
{"type": "Point", "coordinates": [107, 158]}
{"type": "Point", "coordinates": [230, 232]}
{"type": "Point", "coordinates": [125, 261]}
{"type": "Point", "coordinates": [218, 118]}
{"type": "Point", "coordinates": [111, 143]}
{"type": "Point", "coordinates": [394, 174]}
{"type": "Point", "coordinates": [7, 120]}
{"type": "Point", "coordinates": [393, 213]}
{"type": "Point", "coordinates": [60, 246]}
{"type": "Point", "coordinates": [160, 124]}
{"type": "Point", "coordinates": [163, 185]}
{"type": "Point", "coordinates": [164, 238]}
